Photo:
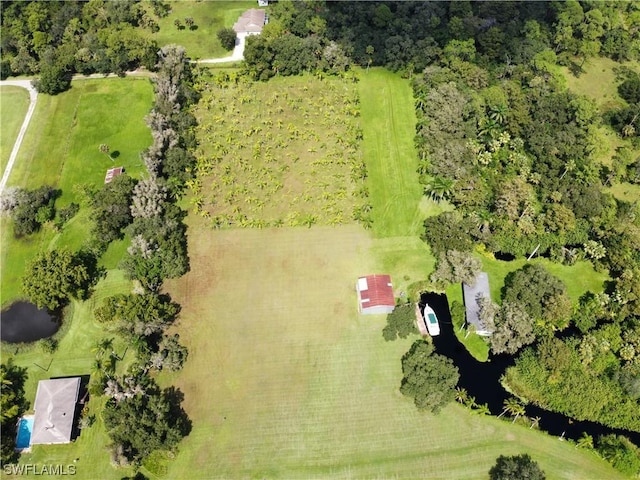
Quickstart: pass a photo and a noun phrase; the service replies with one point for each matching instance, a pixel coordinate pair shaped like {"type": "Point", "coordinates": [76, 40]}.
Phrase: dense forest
{"type": "Point", "coordinates": [501, 138]}
{"type": "Point", "coordinates": [56, 39]}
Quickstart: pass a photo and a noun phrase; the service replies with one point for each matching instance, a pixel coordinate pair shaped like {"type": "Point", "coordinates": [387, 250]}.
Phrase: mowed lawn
{"type": "Point", "coordinates": [388, 123]}
{"type": "Point", "coordinates": [399, 206]}
{"type": "Point", "coordinates": [286, 380]}
{"type": "Point", "coordinates": [209, 17]}
{"type": "Point", "coordinates": [61, 149]}
{"type": "Point", "coordinates": [14, 102]}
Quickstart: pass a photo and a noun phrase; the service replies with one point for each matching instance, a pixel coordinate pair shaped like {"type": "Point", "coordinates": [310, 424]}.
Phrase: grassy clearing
{"type": "Point", "coordinates": [627, 192]}
{"type": "Point", "coordinates": [388, 121]}
{"type": "Point", "coordinates": [75, 356]}
{"type": "Point", "coordinates": [598, 82]}
{"type": "Point", "coordinates": [579, 278]}
{"type": "Point", "coordinates": [200, 42]}
{"type": "Point", "coordinates": [14, 102]}
{"type": "Point", "coordinates": [279, 153]}
{"type": "Point", "coordinates": [289, 381]}
{"type": "Point", "coordinates": [61, 149]}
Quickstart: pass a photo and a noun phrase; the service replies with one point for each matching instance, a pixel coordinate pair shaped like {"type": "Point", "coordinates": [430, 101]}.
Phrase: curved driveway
{"type": "Point", "coordinates": [33, 97]}
{"type": "Point", "coordinates": [236, 56]}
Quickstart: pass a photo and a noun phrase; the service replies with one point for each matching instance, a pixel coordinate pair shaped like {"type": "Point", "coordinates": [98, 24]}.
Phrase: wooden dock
{"type": "Point", "coordinates": [420, 321]}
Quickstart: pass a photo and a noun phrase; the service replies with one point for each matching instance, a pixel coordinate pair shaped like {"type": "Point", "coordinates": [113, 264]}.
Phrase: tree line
{"type": "Point", "coordinates": [53, 40]}
{"type": "Point", "coordinates": [409, 36]}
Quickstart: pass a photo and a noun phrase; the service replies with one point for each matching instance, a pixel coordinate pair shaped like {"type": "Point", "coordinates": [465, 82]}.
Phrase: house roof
{"type": "Point", "coordinates": [471, 294]}
{"type": "Point", "coordinates": [112, 173]}
{"type": "Point", "coordinates": [55, 407]}
{"type": "Point", "coordinates": [251, 21]}
{"type": "Point", "coordinates": [376, 291]}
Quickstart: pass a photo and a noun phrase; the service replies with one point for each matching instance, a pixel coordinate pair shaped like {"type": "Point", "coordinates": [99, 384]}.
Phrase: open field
{"type": "Point", "coordinates": [279, 153]}
{"type": "Point", "coordinates": [288, 381]}
{"type": "Point", "coordinates": [388, 122]}
{"type": "Point", "coordinates": [14, 102]}
{"type": "Point", "coordinates": [209, 16]}
{"type": "Point", "coordinates": [61, 149]}
{"type": "Point", "coordinates": [284, 379]}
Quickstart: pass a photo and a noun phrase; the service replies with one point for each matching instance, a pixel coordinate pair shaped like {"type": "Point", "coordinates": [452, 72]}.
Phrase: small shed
{"type": "Point", "coordinates": [251, 22]}
{"type": "Point", "coordinates": [472, 293]}
{"type": "Point", "coordinates": [55, 408]}
{"type": "Point", "coordinates": [375, 294]}
{"type": "Point", "coordinates": [112, 173]}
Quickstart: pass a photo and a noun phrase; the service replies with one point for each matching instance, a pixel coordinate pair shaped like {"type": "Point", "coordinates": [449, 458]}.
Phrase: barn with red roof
{"type": "Point", "coordinates": [375, 294]}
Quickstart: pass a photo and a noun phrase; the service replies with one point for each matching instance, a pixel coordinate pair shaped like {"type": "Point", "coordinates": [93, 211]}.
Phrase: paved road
{"type": "Point", "coordinates": [33, 97]}
{"type": "Point", "coordinates": [236, 56]}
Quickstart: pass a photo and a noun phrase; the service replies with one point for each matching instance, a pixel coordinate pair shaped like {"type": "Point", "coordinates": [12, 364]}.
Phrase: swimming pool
{"type": "Point", "coordinates": [23, 440]}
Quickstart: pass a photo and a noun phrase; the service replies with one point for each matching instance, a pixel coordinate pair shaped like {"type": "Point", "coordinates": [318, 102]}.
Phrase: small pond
{"type": "Point", "coordinates": [482, 380]}
{"type": "Point", "coordinates": [24, 322]}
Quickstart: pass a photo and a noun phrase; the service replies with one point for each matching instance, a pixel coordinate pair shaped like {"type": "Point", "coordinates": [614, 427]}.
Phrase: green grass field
{"type": "Point", "coordinates": [284, 379]}
{"type": "Point", "coordinates": [61, 149]}
{"type": "Point", "coordinates": [14, 102]}
{"type": "Point", "coordinates": [388, 121]}
{"type": "Point", "coordinates": [209, 16]}
{"type": "Point", "coordinates": [288, 381]}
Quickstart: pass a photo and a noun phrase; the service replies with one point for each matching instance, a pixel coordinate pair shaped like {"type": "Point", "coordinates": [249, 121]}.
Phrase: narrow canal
{"type": "Point", "coordinates": [482, 381]}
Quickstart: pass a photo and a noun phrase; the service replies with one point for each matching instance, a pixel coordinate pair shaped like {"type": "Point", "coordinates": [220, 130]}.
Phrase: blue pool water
{"type": "Point", "coordinates": [24, 432]}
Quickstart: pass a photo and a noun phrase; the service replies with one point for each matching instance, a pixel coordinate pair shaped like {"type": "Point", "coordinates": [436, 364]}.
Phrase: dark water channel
{"type": "Point", "coordinates": [482, 381]}
{"type": "Point", "coordinates": [24, 322]}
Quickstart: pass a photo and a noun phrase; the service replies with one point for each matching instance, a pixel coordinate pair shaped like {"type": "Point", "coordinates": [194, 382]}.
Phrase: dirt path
{"type": "Point", "coordinates": [33, 97]}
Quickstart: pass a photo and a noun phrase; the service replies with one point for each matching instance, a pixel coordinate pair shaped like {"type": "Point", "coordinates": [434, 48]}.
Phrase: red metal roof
{"type": "Point", "coordinates": [113, 172]}
{"type": "Point", "coordinates": [376, 291]}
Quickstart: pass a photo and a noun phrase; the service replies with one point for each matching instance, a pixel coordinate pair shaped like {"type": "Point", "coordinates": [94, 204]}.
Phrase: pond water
{"type": "Point", "coordinates": [24, 322]}
{"type": "Point", "coordinates": [482, 380]}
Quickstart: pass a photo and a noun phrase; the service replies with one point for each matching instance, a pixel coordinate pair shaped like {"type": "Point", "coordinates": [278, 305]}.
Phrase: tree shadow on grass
{"type": "Point", "coordinates": [175, 397]}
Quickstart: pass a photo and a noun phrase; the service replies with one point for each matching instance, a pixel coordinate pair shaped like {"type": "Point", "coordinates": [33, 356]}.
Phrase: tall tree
{"type": "Point", "coordinates": [518, 467]}
{"type": "Point", "coordinates": [429, 378]}
{"type": "Point", "coordinates": [12, 405]}
{"type": "Point", "coordinates": [513, 329]}
{"type": "Point", "coordinates": [54, 277]}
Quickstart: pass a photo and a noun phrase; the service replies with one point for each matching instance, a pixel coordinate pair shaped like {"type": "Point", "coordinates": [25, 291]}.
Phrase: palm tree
{"type": "Point", "coordinates": [488, 129]}
{"type": "Point", "coordinates": [104, 148]}
{"type": "Point", "coordinates": [585, 441]}
{"type": "Point", "coordinates": [628, 130]}
{"type": "Point", "coordinates": [439, 188]}
{"type": "Point", "coordinates": [462, 395]}
{"type": "Point", "coordinates": [535, 421]}
{"type": "Point", "coordinates": [482, 409]}
{"type": "Point", "coordinates": [498, 113]}
{"type": "Point", "coordinates": [483, 219]}
{"type": "Point", "coordinates": [513, 406]}
{"type": "Point", "coordinates": [102, 346]}
{"type": "Point", "coordinates": [369, 51]}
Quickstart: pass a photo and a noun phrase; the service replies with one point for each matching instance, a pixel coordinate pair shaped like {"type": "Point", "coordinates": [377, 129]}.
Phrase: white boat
{"type": "Point", "coordinates": [431, 321]}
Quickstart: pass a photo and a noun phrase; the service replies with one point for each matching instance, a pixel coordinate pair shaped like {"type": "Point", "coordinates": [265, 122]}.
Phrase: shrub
{"type": "Point", "coordinates": [227, 37]}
